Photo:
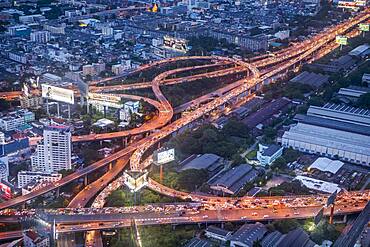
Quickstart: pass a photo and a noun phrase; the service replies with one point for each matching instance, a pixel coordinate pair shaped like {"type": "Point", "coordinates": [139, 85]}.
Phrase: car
{"type": "Point", "coordinates": [243, 217]}
{"type": "Point", "coordinates": [205, 216]}
{"type": "Point", "coordinates": [254, 214]}
{"type": "Point", "coordinates": [266, 216]}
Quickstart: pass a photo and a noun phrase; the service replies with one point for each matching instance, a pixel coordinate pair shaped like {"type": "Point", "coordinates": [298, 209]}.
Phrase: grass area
{"type": "Point", "coordinates": [251, 155]}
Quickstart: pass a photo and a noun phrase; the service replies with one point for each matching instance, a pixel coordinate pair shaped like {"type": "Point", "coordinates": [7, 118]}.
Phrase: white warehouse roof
{"type": "Point", "coordinates": [327, 165]}
{"type": "Point", "coordinates": [319, 185]}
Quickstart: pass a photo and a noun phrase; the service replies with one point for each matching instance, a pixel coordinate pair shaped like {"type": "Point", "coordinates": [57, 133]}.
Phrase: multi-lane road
{"type": "Point", "coordinates": [271, 66]}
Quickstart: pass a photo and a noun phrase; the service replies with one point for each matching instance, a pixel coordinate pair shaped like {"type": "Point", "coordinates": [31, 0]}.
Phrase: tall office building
{"type": "Point", "coordinates": [54, 153]}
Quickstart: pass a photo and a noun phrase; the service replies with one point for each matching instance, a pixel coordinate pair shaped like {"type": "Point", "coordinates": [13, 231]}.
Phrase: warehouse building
{"type": "Point", "coordinates": [335, 131]}
{"type": "Point", "coordinates": [233, 180]}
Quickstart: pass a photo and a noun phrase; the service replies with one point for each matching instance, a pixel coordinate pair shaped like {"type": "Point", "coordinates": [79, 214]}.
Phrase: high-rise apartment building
{"type": "Point", "coordinates": [54, 153]}
{"type": "Point", "coordinates": [40, 36]}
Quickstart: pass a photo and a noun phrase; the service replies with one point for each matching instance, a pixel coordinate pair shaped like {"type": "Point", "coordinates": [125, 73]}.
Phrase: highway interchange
{"type": "Point", "coordinates": [213, 209]}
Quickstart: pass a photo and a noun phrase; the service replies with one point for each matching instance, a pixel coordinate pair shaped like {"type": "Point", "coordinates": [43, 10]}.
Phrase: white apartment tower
{"type": "Point", "coordinates": [40, 36]}
{"type": "Point", "coordinates": [54, 152]}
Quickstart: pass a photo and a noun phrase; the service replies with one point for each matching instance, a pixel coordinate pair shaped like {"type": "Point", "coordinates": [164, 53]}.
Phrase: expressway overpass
{"type": "Point", "coordinates": [78, 222]}
{"type": "Point", "coordinates": [315, 45]}
{"type": "Point", "coordinates": [281, 62]}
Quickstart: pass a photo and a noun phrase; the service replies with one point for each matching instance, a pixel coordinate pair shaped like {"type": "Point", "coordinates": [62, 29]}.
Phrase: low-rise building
{"type": "Point", "coordinates": [318, 185]}
{"type": "Point", "coordinates": [25, 177]}
{"type": "Point", "coordinates": [33, 239]}
{"type": "Point", "coordinates": [353, 93]}
{"type": "Point", "coordinates": [246, 235]}
{"type": "Point", "coordinates": [217, 233]}
{"type": "Point", "coordinates": [326, 165]}
{"type": "Point", "coordinates": [4, 168]}
{"type": "Point", "coordinates": [209, 162]}
{"type": "Point", "coordinates": [14, 120]}
{"type": "Point", "coordinates": [267, 154]}
{"type": "Point", "coordinates": [233, 180]}
{"type": "Point", "coordinates": [131, 106]}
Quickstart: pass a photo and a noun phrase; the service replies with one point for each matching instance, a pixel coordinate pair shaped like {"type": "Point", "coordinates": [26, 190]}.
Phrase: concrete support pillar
{"type": "Point", "coordinates": [58, 109]}
{"type": "Point", "coordinates": [86, 182]}
{"type": "Point", "coordinates": [47, 107]}
{"type": "Point", "coordinates": [69, 112]}
{"type": "Point", "coordinates": [110, 166]}
{"type": "Point", "coordinates": [57, 192]}
{"type": "Point", "coordinates": [331, 218]}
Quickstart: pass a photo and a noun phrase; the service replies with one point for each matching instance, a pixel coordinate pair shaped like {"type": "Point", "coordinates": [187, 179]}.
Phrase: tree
{"type": "Point", "coordinates": [235, 128]}
{"type": "Point", "coordinates": [279, 163]}
{"type": "Point", "coordinates": [323, 231]}
{"type": "Point", "coordinates": [364, 101]}
{"type": "Point", "coordinates": [191, 179]}
{"type": "Point", "coordinates": [237, 159]}
{"type": "Point", "coordinates": [4, 105]}
{"type": "Point", "coordinates": [291, 155]}
{"type": "Point", "coordinates": [285, 226]}
{"type": "Point", "coordinates": [295, 187]}
{"type": "Point", "coordinates": [89, 155]}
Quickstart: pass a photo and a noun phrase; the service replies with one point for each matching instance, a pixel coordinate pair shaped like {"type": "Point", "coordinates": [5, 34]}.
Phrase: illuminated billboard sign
{"type": "Point", "coordinates": [105, 100]}
{"type": "Point", "coordinates": [364, 27]}
{"type": "Point", "coordinates": [57, 94]}
{"type": "Point", "coordinates": [175, 43]}
{"type": "Point", "coordinates": [352, 4]}
{"type": "Point", "coordinates": [342, 40]}
{"type": "Point", "coordinates": [5, 191]}
{"type": "Point", "coordinates": [163, 157]}
{"type": "Point", "coordinates": [135, 180]}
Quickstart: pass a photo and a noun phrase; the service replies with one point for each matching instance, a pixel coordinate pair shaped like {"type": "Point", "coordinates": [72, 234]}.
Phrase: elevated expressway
{"type": "Point", "coordinates": [282, 62]}
{"type": "Point", "coordinates": [315, 44]}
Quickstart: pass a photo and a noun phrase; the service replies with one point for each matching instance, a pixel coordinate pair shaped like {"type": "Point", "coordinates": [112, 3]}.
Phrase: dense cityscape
{"type": "Point", "coordinates": [195, 123]}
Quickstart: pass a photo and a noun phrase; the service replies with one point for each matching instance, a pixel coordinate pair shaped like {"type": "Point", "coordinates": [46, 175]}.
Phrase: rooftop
{"type": "Point", "coordinates": [235, 178]}
{"type": "Point", "coordinates": [310, 78]}
{"type": "Point", "coordinates": [333, 124]}
{"type": "Point", "coordinates": [217, 231]}
{"type": "Point", "coordinates": [249, 233]}
{"type": "Point", "coordinates": [318, 185]}
{"type": "Point", "coordinates": [271, 150]}
{"type": "Point", "coordinates": [327, 165]}
{"type": "Point", "coordinates": [202, 162]}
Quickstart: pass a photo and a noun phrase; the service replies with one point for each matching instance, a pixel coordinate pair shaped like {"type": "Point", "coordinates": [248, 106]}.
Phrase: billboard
{"type": "Point", "coordinates": [342, 40]}
{"type": "Point", "coordinates": [175, 43]}
{"type": "Point", "coordinates": [57, 94]}
{"type": "Point", "coordinates": [105, 100]}
{"type": "Point", "coordinates": [5, 191]}
{"type": "Point", "coordinates": [135, 180]}
{"type": "Point", "coordinates": [163, 157]}
{"type": "Point", "coordinates": [355, 5]}
{"type": "Point", "coordinates": [364, 27]}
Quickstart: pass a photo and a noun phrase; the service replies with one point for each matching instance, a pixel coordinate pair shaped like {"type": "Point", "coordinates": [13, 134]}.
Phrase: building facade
{"type": "Point", "coordinates": [25, 177]}
{"type": "Point", "coordinates": [54, 153]}
{"type": "Point", "coordinates": [335, 131]}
